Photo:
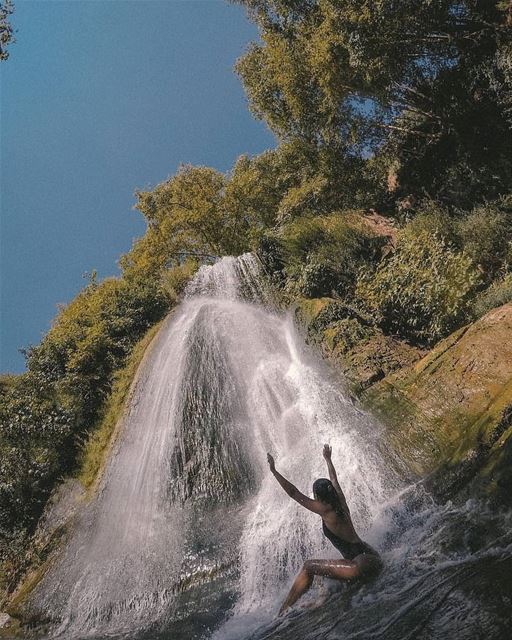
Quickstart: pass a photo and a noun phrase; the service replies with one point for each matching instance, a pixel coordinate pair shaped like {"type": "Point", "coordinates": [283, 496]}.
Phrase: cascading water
{"type": "Point", "coordinates": [188, 530]}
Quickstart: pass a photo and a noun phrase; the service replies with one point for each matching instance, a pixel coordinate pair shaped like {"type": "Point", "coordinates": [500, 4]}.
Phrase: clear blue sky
{"type": "Point", "coordinates": [98, 98]}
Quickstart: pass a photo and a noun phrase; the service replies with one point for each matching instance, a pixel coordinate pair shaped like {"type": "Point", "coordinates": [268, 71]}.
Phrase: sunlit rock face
{"type": "Point", "coordinates": [449, 412]}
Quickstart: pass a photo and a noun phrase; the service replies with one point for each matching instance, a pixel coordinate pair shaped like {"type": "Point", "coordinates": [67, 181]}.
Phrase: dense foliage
{"type": "Point", "coordinates": [426, 86]}
{"type": "Point", "coordinates": [500, 292]}
{"type": "Point", "coordinates": [47, 412]}
{"type": "Point", "coordinates": [324, 254]}
{"type": "Point", "coordinates": [409, 107]}
{"type": "Point", "coordinates": [423, 291]}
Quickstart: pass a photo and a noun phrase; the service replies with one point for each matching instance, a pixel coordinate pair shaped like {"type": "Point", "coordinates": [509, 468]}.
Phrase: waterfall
{"type": "Point", "coordinates": [189, 530]}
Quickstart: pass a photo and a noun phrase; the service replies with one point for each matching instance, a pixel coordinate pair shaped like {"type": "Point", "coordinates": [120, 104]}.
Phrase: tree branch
{"type": "Point", "coordinates": [431, 136]}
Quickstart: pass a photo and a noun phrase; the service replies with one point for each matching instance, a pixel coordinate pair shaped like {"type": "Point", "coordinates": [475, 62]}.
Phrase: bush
{"type": "Point", "coordinates": [323, 254]}
{"type": "Point", "coordinates": [35, 434]}
{"type": "Point", "coordinates": [500, 292]}
{"type": "Point", "coordinates": [300, 238]}
{"type": "Point", "coordinates": [47, 412]}
{"type": "Point", "coordinates": [317, 279]}
{"type": "Point", "coordinates": [486, 236]}
{"type": "Point", "coordinates": [91, 338]}
{"type": "Point", "coordinates": [270, 251]}
{"type": "Point", "coordinates": [433, 220]}
{"type": "Point", "coordinates": [423, 291]}
{"type": "Point", "coordinates": [175, 280]}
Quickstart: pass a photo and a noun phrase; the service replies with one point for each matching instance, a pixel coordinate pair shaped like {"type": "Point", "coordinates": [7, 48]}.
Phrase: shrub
{"type": "Point", "coordinates": [486, 236]}
{"type": "Point", "coordinates": [433, 220]}
{"type": "Point", "coordinates": [423, 291]}
{"type": "Point", "coordinates": [500, 292]}
{"type": "Point", "coordinates": [317, 279]}
{"type": "Point", "coordinates": [35, 433]}
{"type": "Point", "coordinates": [175, 279]}
{"type": "Point", "coordinates": [46, 412]}
{"type": "Point", "coordinates": [300, 238]}
{"type": "Point", "coordinates": [323, 254]}
{"type": "Point", "coordinates": [270, 251]}
{"type": "Point", "coordinates": [91, 338]}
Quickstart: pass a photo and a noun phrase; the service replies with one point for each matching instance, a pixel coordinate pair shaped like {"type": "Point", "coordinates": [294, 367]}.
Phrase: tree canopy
{"type": "Point", "coordinates": [425, 84]}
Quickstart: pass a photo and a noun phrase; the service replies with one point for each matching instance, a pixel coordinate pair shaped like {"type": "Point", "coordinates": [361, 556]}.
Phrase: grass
{"type": "Point", "coordinates": [36, 565]}
{"type": "Point", "coordinates": [97, 447]}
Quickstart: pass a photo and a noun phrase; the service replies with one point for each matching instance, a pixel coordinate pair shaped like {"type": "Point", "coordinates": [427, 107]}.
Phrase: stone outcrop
{"type": "Point", "coordinates": [450, 413]}
{"type": "Point", "coordinates": [5, 621]}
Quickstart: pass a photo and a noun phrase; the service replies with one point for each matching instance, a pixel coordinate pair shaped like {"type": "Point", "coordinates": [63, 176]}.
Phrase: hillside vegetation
{"type": "Point", "coordinates": [395, 112]}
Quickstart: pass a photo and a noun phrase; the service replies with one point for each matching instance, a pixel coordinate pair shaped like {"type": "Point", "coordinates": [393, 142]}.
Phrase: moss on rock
{"type": "Point", "coordinates": [446, 414]}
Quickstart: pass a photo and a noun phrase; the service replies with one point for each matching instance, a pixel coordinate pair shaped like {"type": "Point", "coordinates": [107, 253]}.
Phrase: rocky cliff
{"type": "Point", "coordinates": [448, 411]}
{"type": "Point", "coordinates": [449, 415]}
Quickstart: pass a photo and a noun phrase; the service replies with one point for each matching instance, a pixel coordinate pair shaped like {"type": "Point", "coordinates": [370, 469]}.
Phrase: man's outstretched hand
{"type": "Point", "coordinates": [271, 462]}
{"type": "Point", "coordinates": [327, 451]}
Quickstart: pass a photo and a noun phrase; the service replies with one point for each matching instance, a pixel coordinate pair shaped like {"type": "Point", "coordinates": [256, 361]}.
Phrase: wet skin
{"type": "Point", "coordinates": [339, 522]}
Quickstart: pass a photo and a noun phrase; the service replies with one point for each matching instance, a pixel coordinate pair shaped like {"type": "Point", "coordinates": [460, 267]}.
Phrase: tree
{"type": "Point", "coordinates": [187, 214]}
{"type": "Point", "coordinates": [428, 83]}
{"type": "Point", "coordinates": [6, 30]}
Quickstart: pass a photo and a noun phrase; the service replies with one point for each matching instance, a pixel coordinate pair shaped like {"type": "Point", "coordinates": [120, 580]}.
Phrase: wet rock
{"type": "Point", "coordinates": [61, 506]}
{"type": "Point", "coordinates": [46, 542]}
{"type": "Point", "coordinates": [448, 414]}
